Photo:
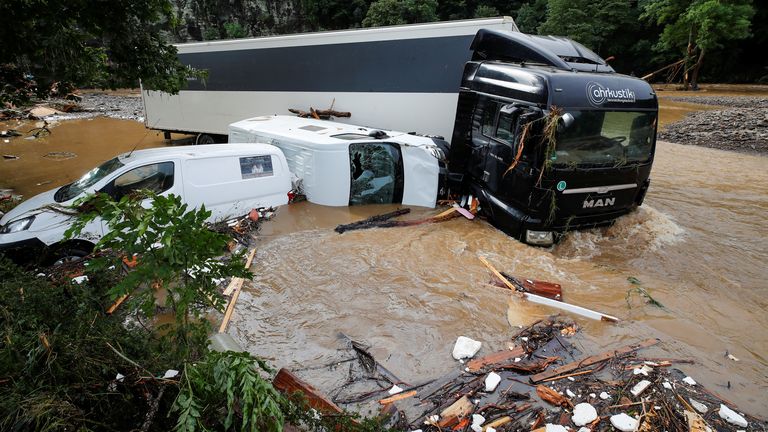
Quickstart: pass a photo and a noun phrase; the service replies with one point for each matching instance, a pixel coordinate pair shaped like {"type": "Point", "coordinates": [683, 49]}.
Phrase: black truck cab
{"type": "Point", "coordinates": [548, 137]}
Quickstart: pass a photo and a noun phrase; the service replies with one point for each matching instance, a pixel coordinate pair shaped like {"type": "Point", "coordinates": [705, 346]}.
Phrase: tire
{"type": "Point", "coordinates": [67, 253]}
{"type": "Point", "coordinates": [205, 139]}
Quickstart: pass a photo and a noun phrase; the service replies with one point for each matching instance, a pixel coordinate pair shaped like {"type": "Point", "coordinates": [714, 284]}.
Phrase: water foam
{"type": "Point", "coordinates": [644, 230]}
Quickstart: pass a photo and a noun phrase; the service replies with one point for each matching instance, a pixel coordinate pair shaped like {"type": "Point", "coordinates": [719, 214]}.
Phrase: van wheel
{"type": "Point", "coordinates": [68, 253]}
{"type": "Point", "coordinates": [205, 139]}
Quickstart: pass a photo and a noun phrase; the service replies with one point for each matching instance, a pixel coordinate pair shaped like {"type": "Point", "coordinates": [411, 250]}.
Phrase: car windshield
{"type": "Point", "coordinates": [66, 193]}
{"type": "Point", "coordinates": [604, 137]}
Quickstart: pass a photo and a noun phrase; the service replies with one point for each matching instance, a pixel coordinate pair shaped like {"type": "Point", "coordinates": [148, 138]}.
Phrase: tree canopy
{"type": "Point", "coordinates": [102, 43]}
{"type": "Point", "coordinates": [89, 42]}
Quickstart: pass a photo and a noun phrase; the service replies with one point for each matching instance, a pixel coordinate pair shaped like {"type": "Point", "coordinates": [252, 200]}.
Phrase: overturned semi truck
{"type": "Point", "coordinates": [541, 130]}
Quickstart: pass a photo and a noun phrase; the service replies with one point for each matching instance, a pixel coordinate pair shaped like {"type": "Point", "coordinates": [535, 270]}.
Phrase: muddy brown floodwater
{"type": "Point", "coordinates": [698, 246]}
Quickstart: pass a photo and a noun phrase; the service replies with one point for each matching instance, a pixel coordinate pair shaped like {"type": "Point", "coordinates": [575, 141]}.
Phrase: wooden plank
{"type": "Point", "coordinates": [230, 310]}
{"type": "Point", "coordinates": [286, 382]}
{"type": "Point", "coordinates": [549, 302]}
{"type": "Point", "coordinates": [495, 358]}
{"type": "Point", "coordinates": [237, 283]}
{"type": "Point", "coordinates": [397, 397]}
{"type": "Point", "coordinates": [117, 304]}
{"type": "Point", "coordinates": [570, 367]}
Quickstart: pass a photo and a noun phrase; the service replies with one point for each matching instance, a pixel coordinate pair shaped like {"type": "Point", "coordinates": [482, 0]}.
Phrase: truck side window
{"type": "Point", "coordinates": [506, 130]}
{"type": "Point", "coordinates": [489, 118]}
{"type": "Point", "coordinates": [376, 173]}
{"type": "Point", "coordinates": [156, 177]}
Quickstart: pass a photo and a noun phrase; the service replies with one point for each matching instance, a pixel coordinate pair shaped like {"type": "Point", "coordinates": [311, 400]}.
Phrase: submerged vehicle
{"type": "Point", "coordinates": [548, 137]}
{"type": "Point", "coordinates": [337, 164]}
{"type": "Point", "coordinates": [543, 132]}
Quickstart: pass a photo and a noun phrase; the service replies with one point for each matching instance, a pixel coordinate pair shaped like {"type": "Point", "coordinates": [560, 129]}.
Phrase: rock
{"type": "Point", "coordinates": [583, 414]}
{"type": "Point", "coordinates": [491, 381]}
{"type": "Point", "coordinates": [667, 385]}
{"type": "Point", "coordinates": [570, 393]}
{"type": "Point", "coordinates": [80, 279]}
{"type": "Point", "coordinates": [640, 387]}
{"type": "Point", "coordinates": [465, 348]}
{"type": "Point", "coordinates": [731, 416]}
{"type": "Point", "coordinates": [42, 111]}
{"type": "Point", "coordinates": [624, 423]}
{"type": "Point", "coordinates": [688, 380]}
{"type": "Point", "coordinates": [604, 396]}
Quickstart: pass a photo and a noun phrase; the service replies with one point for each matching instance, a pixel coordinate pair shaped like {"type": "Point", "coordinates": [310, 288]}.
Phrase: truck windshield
{"type": "Point", "coordinates": [66, 193]}
{"type": "Point", "coordinates": [604, 137]}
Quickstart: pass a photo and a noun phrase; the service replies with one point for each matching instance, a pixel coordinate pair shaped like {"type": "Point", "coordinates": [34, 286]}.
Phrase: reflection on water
{"type": "Point", "coordinates": [698, 246]}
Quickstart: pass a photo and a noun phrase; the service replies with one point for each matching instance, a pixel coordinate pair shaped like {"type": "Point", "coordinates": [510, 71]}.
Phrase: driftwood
{"type": "Point", "coordinates": [320, 114]}
{"type": "Point", "coordinates": [383, 221]}
{"type": "Point", "coordinates": [570, 367]}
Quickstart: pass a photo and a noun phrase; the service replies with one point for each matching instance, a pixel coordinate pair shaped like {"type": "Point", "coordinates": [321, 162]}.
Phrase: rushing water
{"type": "Point", "coordinates": [698, 246]}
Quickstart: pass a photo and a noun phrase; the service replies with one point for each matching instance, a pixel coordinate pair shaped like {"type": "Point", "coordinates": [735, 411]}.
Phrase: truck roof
{"type": "Point", "coordinates": [197, 151]}
{"type": "Point", "coordinates": [408, 31]}
{"type": "Point", "coordinates": [323, 134]}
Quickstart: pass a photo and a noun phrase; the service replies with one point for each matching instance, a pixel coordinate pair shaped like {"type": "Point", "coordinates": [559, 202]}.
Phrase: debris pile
{"type": "Point", "coordinates": [243, 228]}
{"type": "Point", "coordinates": [541, 383]}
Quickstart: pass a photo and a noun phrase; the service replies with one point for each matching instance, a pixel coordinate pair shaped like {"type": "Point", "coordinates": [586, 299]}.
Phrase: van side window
{"type": "Point", "coordinates": [156, 177]}
{"type": "Point", "coordinates": [376, 173]}
{"type": "Point", "coordinates": [256, 166]}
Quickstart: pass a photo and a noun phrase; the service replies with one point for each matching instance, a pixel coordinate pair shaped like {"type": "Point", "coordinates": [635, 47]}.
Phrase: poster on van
{"type": "Point", "coordinates": [256, 166]}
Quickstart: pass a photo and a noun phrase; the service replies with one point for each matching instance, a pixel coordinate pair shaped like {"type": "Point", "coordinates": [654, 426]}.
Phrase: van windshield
{"type": "Point", "coordinates": [66, 193]}
{"type": "Point", "coordinates": [604, 137]}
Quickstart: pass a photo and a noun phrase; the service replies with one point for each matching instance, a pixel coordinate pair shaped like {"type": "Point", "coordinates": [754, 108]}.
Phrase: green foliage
{"type": "Point", "coordinates": [592, 23]}
{"type": "Point", "coordinates": [706, 23]}
{"type": "Point", "coordinates": [90, 43]}
{"type": "Point", "coordinates": [485, 11]}
{"type": "Point", "coordinates": [334, 14]}
{"type": "Point", "coordinates": [234, 30]}
{"type": "Point", "coordinates": [531, 15]}
{"type": "Point", "coordinates": [251, 403]}
{"type": "Point", "coordinates": [175, 250]}
{"type": "Point", "coordinates": [56, 367]}
{"type": "Point", "coordinates": [398, 12]}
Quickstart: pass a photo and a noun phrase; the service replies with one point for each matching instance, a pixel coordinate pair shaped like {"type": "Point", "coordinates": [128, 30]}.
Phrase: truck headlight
{"type": "Point", "coordinates": [17, 225]}
{"type": "Point", "coordinates": [539, 238]}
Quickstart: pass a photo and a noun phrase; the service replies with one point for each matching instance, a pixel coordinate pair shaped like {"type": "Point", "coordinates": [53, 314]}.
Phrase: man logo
{"type": "Point", "coordinates": [597, 94]}
{"type": "Point", "coordinates": [602, 202]}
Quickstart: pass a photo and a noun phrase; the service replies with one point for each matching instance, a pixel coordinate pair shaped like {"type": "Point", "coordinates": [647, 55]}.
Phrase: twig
{"type": "Point", "coordinates": [584, 372]}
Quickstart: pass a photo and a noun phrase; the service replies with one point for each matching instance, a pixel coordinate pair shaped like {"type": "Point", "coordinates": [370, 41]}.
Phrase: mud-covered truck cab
{"type": "Point", "coordinates": [548, 137]}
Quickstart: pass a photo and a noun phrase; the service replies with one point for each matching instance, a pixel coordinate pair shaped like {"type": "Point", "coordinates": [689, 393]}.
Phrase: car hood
{"type": "Point", "coordinates": [31, 206]}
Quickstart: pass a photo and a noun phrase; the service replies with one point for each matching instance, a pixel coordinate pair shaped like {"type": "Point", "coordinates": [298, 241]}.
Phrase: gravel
{"type": "Point", "coordinates": [127, 107]}
{"type": "Point", "coordinates": [742, 125]}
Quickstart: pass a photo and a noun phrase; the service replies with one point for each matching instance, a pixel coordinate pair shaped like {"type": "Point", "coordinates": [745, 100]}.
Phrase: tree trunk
{"type": "Point", "coordinates": [696, 69]}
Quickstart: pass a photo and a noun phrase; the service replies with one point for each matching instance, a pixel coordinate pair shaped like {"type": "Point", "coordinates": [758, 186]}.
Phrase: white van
{"type": "Point", "coordinates": [339, 164]}
{"type": "Point", "coordinates": [228, 179]}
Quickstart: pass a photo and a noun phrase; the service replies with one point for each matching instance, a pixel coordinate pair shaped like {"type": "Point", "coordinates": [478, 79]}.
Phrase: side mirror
{"type": "Point", "coordinates": [566, 120]}
{"type": "Point", "coordinates": [509, 109]}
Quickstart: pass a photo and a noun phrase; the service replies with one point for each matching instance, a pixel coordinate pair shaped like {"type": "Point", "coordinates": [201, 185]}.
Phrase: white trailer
{"type": "Point", "coordinates": [400, 77]}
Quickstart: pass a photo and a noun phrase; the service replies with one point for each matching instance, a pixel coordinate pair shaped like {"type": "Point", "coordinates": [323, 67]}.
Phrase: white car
{"type": "Point", "coordinates": [229, 179]}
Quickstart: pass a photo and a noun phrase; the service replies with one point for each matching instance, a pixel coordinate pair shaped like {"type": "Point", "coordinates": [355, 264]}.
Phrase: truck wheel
{"type": "Point", "coordinates": [205, 139]}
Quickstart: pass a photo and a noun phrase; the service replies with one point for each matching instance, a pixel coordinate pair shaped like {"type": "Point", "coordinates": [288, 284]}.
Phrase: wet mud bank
{"type": "Point", "coordinates": [736, 123]}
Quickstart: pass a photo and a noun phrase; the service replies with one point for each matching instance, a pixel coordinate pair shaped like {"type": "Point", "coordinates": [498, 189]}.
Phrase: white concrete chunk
{"type": "Point", "coordinates": [688, 380]}
{"type": "Point", "coordinates": [732, 416]}
{"type": "Point", "coordinates": [465, 348]}
{"type": "Point", "coordinates": [583, 414]}
{"type": "Point", "coordinates": [395, 390]}
{"type": "Point", "coordinates": [624, 423]}
{"type": "Point", "coordinates": [492, 381]}
{"type": "Point", "coordinates": [698, 406]}
{"type": "Point", "coordinates": [555, 428]}
{"type": "Point", "coordinates": [640, 387]}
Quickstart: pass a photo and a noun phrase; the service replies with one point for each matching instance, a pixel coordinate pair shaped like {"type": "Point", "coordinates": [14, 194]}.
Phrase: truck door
{"type": "Point", "coordinates": [483, 125]}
